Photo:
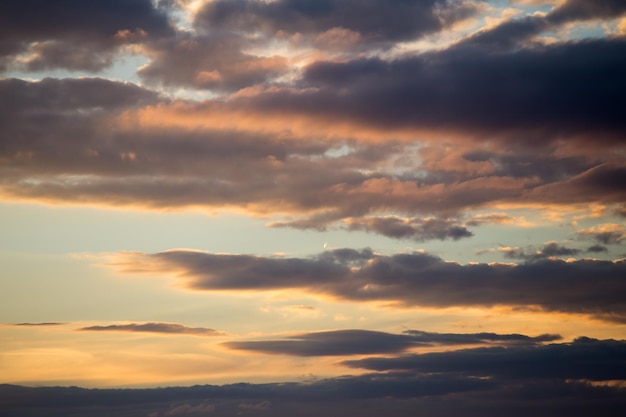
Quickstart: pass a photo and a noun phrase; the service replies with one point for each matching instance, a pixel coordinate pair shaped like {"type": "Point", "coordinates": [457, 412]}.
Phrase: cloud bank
{"type": "Point", "coordinates": [584, 286]}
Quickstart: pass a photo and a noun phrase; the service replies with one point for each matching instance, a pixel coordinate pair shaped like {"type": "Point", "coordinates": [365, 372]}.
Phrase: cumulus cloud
{"type": "Point", "coordinates": [583, 286]}
{"type": "Point", "coordinates": [363, 342]}
{"type": "Point", "coordinates": [166, 328]}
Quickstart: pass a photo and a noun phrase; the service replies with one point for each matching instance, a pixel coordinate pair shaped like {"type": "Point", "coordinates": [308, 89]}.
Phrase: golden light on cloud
{"type": "Point", "coordinates": [312, 208]}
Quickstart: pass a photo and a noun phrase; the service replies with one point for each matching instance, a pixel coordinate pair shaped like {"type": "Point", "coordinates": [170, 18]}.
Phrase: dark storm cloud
{"type": "Point", "coordinates": [166, 328]}
{"type": "Point", "coordinates": [589, 359]}
{"type": "Point", "coordinates": [75, 34]}
{"type": "Point", "coordinates": [416, 229]}
{"type": "Point", "coordinates": [374, 20]}
{"type": "Point", "coordinates": [363, 342]}
{"type": "Point", "coordinates": [584, 286]}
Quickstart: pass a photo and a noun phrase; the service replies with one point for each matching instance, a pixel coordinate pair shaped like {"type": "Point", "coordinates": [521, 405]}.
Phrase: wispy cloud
{"type": "Point", "coordinates": [165, 328]}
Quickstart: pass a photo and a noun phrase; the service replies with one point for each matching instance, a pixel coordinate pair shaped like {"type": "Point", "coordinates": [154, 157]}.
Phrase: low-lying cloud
{"type": "Point", "coordinates": [584, 286]}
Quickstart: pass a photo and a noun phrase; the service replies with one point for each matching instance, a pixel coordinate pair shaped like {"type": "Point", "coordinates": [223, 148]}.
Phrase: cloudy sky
{"type": "Point", "coordinates": [306, 207]}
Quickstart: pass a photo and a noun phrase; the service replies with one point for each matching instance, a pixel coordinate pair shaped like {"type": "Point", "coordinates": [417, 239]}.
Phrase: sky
{"type": "Point", "coordinates": [312, 207]}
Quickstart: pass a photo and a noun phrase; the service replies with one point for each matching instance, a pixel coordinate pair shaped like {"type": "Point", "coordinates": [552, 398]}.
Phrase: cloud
{"type": "Point", "coordinates": [549, 250]}
{"type": "Point", "coordinates": [583, 286]}
{"type": "Point", "coordinates": [608, 233]}
{"type": "Point", "coordinates": [585, 358]}
{"type": "Point", "coordinates": [75, 35]}
{"type": "Point", "coordinates": [456, 89]}
{"type": "Point", "coordinates": [416, 229]}
{"type": "Point", "coordinates": [166, 328]}
{"type": "Point", "coordinates": [186, 409]}
{"type": "Point", "coordinates": [39, 324]}
{"type": "Point", "coordinates": [597, 249]}
{"type": "Point", "coordinates": [369, 19]}
{"type": "Point", "coordinates": [208, 62]}
{"type": "Point", "coordinates": [511, 33]}
{"type": "Point", "coordinates": [369, 395]}
{"type": "Point", "coordinates": [364, 342]}
{"type": "Point", "coordinates": [262, 406]}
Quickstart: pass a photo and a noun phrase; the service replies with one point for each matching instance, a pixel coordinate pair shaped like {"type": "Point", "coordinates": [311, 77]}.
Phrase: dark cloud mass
{"type": "Point", "coordinates": [543, 380]}
{"type": "Point", "coordinates": [589, 359]}
{"type": "Point", "coordinates": [583, 286]}
{"type": "Point", "coordinates": [77, 140]}
{"type": "Point", "coordinates": [166, 328]}
{"type": "Point", "coordinates": [362, 342]}
{"type": "Point", "coordinates": [479, 90]}
{"type": "Point", "coordinates": [75, 34]}
{"type": "Point", "coordinates": [369, 18]}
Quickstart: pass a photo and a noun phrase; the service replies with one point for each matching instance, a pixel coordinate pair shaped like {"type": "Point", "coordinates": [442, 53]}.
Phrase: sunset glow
{"type": "Point", "coordinates": [312, 207]}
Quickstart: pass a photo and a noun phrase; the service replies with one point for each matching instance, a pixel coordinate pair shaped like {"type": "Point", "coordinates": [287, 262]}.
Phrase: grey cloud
{"type": "Point", "coordinates": [414, 228]}
{"type": "Point", "coordinates": [522, 164]}
{"type": "Point", "coordinates": [62, 141]}
{"type": "Point", "coordinates": [610, 237]}
{"type": "Point", "coordinates": [511, 33]}
{"type": "Point", "coordinates": [70, 94]}
{"type": "Point", "coordinates": [597, 249]}
{"type": "Point", "coordinates": [583, 286]}
{"type": "Point", "coordinates": [590, 359]}
{"type": "Point", "coordinates": [603, 181]}
{"type": "Point", "coordinates": [374, 20]}
{"type": "Point", "coordinates": [550, 249]}
{"type": "Point", "coordinates": [370, 395]}
{"type": "Point", "coordinates": [75, 34]}
{"type": "Point", "coordinates": [340, 342]}
{"type": "Point", "coordinates": [608, 234]}
{"type": "Point", "coordinates": [40, 324]}
{"type": "Point", "coordinates": [166, 328]}
{"type": "Point", "coordinates": [573, 10]}
{"type": "Point", "coordinates": [451, 339]}
{"type": "Point", "coordinates": [363, 342]}
{"type": "Point", "coordinates": [208, 62]}
{"type": "Point", "coordinates": [524, 90]}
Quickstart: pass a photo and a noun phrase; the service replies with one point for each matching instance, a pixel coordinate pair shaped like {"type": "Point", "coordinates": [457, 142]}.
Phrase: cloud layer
{"type": "Point", "coordinates": [165, 328]}
{"type": "Point", "coordinates": [583, 286]}
{"type": "Point", "coordinates": [542, 380]}
{"type": "Point", "coordinates": [362, 342]}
